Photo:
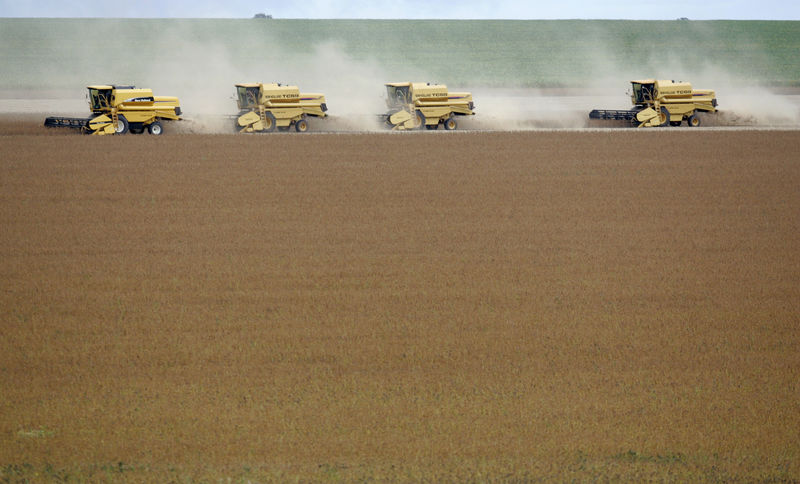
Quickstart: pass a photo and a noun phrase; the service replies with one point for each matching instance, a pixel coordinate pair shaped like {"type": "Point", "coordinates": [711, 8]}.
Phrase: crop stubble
{"type": "Point", "coordinates": [462, 305]}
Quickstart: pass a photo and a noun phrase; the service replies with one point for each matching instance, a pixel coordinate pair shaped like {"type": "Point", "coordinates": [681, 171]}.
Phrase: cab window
{"type": "Point", "coordinates": [99, 99]}
{"type": "Point", "coordinates": [248, 96]}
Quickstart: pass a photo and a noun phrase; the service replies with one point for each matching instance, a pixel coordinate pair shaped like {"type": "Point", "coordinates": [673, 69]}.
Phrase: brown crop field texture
{"type": "Point", "coordinates": [421, 306]}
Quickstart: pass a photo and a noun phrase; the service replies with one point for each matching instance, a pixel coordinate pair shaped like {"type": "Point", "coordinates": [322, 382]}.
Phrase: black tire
{"type": "Point", "coordinates": [693, 121]}
{"type": "Point", "coordinates": [421, 120]}
{"type": "Point", "coordinates": [155, 128]}
{"type": "Point", "coordinates": [665, 115]}
{"type": "Point", "coordinates": [450, 123]}
{"type": "Point", "coordinates": [122, 125]}
{"type": "Point", "coordinates": [301, 126]}
{"type": "Point", "coordinates": [269, 122]}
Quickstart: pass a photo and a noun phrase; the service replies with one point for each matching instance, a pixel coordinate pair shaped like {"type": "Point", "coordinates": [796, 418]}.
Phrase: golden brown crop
{"type": "Point", "coordinates": [424, 306]}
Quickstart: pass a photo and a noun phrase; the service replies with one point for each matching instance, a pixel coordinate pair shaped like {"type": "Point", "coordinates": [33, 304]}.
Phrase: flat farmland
{"type": "Point", "coordinates": [468, 306]}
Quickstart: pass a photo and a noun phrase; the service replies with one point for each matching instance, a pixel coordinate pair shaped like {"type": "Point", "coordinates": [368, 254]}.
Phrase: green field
{"type": "Point", "coordinates": [49, 53]}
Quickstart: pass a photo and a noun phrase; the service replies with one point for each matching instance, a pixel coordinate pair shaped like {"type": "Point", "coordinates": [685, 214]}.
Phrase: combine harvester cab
{"type": "Point", "coordinates": [265, 107]}
{"type": "Point", "coordinates": [414, 105]}
{"type": "Point", "coordinates": [120, 109]}
{"type": "Point", "coordinates": [662, 103]}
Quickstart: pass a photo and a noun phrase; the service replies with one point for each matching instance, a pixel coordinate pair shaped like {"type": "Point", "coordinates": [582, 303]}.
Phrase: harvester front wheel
{"type": "Point", "coordinates": [155, 128]}
{"type": "Point", "coordinates": [664, 117]}
{"type": "Point", "coordinates": [421, 121]}
{"type": "Point", "coordinates": [122, 125]}
{"type": "Point", "coordinates": [301, 126]}
{"type": "Point", "coordinates": [450, 123]}
{"type": "Point", "coordinates": [269, 122]}
{"type": "Point", "coordinates": [693, 121]}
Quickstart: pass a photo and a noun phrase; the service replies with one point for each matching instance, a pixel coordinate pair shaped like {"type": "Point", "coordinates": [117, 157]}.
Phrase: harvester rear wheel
{"type": "Point", "coordinates": [269, 122]}
{"type": "Point", "coordinates": [420, 120]}
{"type": "Point", "coordinates": [450, 123]}
{"type": "Point", "coordinates": [693, 121]}
{"type": "Point", "coordinates": [301, 126]}
{"type": "Point", "coordinates": [122, 125]}
{"type": "Point", "coordinates": [155, 128]}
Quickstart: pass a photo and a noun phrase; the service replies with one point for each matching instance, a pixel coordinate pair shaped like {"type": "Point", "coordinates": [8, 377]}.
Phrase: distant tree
{"type": "Point", "coordinates": [262, 15]}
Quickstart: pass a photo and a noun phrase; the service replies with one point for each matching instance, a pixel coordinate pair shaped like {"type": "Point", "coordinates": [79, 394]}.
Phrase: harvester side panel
{"type": "Point", "coordinates": [285, 116]}
{"type": "Point", "coordinates": [434, 113]}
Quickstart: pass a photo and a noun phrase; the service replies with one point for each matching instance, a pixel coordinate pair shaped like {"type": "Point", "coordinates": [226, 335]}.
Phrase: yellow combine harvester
{"type": "Point", "coordinates": [119, 109]}
{"type": "Point", "coordinates": [663, 102]}
{"type": "Point", "coordinates": [264, 107]}
{"type": "Point", "coordinates": [414, 105]}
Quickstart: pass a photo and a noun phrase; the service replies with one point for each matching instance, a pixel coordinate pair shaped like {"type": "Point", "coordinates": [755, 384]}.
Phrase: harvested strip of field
{"type": "Point", "coordinates": [440, 306]}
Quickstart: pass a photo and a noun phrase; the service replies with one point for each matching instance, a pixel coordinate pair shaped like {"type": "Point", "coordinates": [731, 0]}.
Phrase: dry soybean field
{"type": "Point", "coordinates": [468, 306]}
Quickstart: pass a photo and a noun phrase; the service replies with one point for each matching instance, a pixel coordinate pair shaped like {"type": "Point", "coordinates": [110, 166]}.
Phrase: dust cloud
{"type": "Point", "coordinates": [353, 88]}
{"type": "Point", "coordinates": [200, 65]}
